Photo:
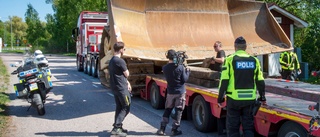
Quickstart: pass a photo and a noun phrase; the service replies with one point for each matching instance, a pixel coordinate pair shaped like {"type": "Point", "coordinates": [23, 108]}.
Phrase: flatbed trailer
{"type": "Point", "coordinates": [281, 116]}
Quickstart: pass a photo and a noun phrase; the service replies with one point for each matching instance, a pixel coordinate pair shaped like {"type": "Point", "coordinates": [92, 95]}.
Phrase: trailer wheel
{"type": "Point", "coordinates": [38, 104]}
{"type": "Point", "coordinates": [156, 100]}
{"type": "Point", "coordinates": [202, 118]}
{"type": "Point", "coordinates": [79, 66]}
{"type": "Point", "coordinates": [93, 67]}
{"type": "Point", "coordinates": [292, 129]}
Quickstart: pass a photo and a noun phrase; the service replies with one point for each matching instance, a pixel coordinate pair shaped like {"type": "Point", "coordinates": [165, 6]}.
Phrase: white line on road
{"type": "Point", "coordinates": [84, 80]}
{"type": "Point", "coordinates": [110, 94]}
{"type": "Point", "coordinates": [95, 85]}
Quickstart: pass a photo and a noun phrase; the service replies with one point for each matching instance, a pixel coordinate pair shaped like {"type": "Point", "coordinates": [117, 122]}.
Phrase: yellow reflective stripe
{"type": "Point", "coordinates": [15, 88]}
{"type": "Point", "coordinates": [287, 116]}
{"type": "Point", "coordinates": [127, 100]}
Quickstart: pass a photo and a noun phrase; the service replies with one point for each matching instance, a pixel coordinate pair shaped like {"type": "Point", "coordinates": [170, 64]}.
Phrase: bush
{"type": "Point", "coordinates": [313, 80]}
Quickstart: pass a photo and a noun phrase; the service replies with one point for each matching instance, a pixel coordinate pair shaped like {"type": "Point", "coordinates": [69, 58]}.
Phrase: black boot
{"type": "Point", "coordinates": [118, 131]}
{"type": "Point", "coordinates": [161, 131]}
{"type": "Point", "coordinates": [175, 132]}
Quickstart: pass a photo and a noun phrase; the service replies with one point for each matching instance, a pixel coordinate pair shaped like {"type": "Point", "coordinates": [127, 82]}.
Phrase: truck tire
{"type": "Point", "coordinates": [98, 68]}
{"type": "Point", "coordinates": [202, 118]}
{"type": "Point", "coordinates": [85, 65]}
{"type": "Point", "coordinates": [88, 67]}
{"type": "Point", "coordinates": [93, 67]}
{"type": "Point", "coordinates": [292, 129]}
{"type": "Point", "coordinates": [156, 100]}
{"type": "Point", "coordinates": [79, 65]}
{"type": "Point", "coordinates": [38, 104]}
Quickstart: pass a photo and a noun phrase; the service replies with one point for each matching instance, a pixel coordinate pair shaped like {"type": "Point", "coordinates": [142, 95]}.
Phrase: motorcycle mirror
{"type": "Point", "coordinates": [14, 72]}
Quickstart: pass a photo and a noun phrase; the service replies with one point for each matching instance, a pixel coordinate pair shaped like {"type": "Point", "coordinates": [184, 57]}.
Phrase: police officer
{"type": "Point", "coordinates": [289, 62]}
{"type": "Point", "coordinates": [241, 77]}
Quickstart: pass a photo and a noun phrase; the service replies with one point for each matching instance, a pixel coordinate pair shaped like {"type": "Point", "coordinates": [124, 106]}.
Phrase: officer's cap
{"type": "Point", "coordinates": [240, 41]}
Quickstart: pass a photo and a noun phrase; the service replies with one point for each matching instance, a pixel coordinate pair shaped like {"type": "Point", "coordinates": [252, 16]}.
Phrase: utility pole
{"type": "Point", "coordinates": [67, 47]}
{"type": "Point", "coordinates": [4, 33]}
{"type": "Point", "coordinates": [11, 33]}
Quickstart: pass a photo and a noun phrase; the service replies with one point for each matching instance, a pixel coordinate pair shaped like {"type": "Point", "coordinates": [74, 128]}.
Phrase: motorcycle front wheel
{"type": "Point", "coordinates": [39, 104]}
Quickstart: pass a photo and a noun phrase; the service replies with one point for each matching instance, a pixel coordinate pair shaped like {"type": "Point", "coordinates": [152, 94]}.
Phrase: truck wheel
{"type": "Point", "coordinates": [292, 129]}
{"type": "Point", "coordinates": [202, 118]}
{"type": "Point", "coordinates": [79, 68]}
{"type": "Point", "coordinates": [85, 65]}
{"type": "Point", "coordinates": [89, 67]}
{"type": "Point", "coordinates": [93, 68]}
{"type": "Point", "coordinates": [98, 69]}
{"type": "Point", "coordinates": [38, 104]}
{"type": "Point", "coordinates": [156, 100]}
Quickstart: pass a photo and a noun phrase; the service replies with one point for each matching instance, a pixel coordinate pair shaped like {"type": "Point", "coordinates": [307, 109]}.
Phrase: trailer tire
{"type": "Point", "coordinates": [93, 67]}
{"type": "Point", "coordinates": [202, 118]}
{"type": "Point", "coordinates": [38, 104]}
{"type": "Point", "coordinates": [292, 129]}
{"type": "Point", "coordinates": [156, 100]}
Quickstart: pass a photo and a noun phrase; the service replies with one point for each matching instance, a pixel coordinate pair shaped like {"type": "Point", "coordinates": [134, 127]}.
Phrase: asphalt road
{"type": "Point", "coordinates": [78, 105]}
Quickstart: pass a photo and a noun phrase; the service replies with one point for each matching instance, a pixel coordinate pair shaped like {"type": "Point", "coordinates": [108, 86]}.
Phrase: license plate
{"type": "Point", "coordinates": [33, 86]}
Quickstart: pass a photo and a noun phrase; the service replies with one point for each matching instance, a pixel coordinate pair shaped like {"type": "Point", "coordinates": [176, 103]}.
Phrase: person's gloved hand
{"type": "Point", "coordinates": [220, 101]}
{"type": "Point", "coordinates": [262, 99]}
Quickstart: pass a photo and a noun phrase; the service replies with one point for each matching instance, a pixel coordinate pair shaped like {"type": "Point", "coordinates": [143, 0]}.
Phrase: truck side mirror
{"type": "Point", "coordinates": [75, 33]}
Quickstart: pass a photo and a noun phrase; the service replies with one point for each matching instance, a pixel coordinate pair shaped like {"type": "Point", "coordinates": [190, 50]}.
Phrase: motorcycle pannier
{"type": "Point", "coordinates": [21, 90]}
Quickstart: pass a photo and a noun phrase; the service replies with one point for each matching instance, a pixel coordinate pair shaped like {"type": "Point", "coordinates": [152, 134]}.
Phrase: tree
{"type": "Point", "coordinates": [18, 28]}
{"type": "Point", "coordinates": [37, 34]}
{"type": "Point", "coordinates": [306, 38]}
{"type": "Point", "coordinates": [65, 18]}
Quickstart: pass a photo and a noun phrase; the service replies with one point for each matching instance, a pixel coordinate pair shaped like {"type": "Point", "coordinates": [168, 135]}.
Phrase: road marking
{"type": "Point", "coordinates": [110, 94]}
{"type": "Point", "coordinates": [95, 85]}
{"type": "Point", "coordinates": [60, 74]}
{"type": "Point", "coordinates": [84, 80]}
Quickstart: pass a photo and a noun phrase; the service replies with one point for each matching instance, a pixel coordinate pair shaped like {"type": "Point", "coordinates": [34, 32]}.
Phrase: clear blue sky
{"type": "Point", "coordinates": [19, 8]}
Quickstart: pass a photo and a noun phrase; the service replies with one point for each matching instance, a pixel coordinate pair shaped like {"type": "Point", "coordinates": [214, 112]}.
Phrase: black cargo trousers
{"type": "Point", "coordinates": [240, 112]}
{"type": "Point", "coordinates": [123, 102]}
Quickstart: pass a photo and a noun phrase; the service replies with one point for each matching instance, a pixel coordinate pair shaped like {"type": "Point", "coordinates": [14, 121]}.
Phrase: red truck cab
{"type": "Point", "coordinates": [87, 35]}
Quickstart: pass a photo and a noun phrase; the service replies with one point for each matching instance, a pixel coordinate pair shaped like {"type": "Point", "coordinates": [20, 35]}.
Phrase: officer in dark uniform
{"type": "Point", "coordinates": [241, 77]}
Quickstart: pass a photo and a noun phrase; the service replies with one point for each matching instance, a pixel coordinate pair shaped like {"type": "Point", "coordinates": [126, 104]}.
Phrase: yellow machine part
{"type": "Point", "coordinates": [151, 27]}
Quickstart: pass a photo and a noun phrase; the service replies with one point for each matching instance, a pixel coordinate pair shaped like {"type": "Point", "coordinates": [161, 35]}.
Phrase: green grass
{"type": "Point", "coordinates": [13, 51]}
{"type": "Point", "coordinates": [69, 54]}
{"type": "Point", "coordinates": [4, 98]}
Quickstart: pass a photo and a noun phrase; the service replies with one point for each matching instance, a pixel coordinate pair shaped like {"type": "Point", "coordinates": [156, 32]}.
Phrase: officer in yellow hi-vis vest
{"type": "Point", "coordinates": [241, 77]}
{"type": "Point", "coordinates": [289, 63]}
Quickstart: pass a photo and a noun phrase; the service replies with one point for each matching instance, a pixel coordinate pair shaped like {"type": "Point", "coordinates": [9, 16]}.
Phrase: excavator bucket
{"type": "Point", "coordinates": [151, 27]}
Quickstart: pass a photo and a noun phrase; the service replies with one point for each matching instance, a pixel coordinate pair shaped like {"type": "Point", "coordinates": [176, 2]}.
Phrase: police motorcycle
{"type": "Point", "coordinates": [34, 81]}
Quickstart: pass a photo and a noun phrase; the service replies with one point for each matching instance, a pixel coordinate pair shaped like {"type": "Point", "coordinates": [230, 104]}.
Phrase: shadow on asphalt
{"type": "Point", "coordinates": [70, 103]}
{"type": "Point", "coordinates": [99, 134]}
